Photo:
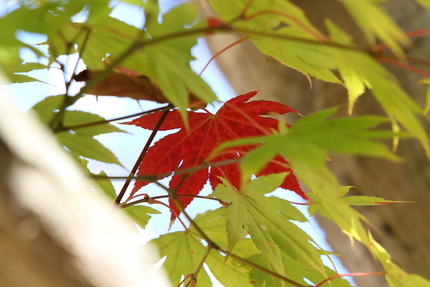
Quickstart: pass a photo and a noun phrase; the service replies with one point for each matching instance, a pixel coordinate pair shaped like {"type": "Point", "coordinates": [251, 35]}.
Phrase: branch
{"type": "Point", "coordinates": [141, 156]}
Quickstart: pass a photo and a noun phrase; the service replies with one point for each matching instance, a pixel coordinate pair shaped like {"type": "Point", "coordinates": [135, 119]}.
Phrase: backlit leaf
{"type": "Point", "coordinates": [190, 147]}
{"type": "Point", "coordinates": [81, 118]}
{"type": "Point", "coordinates": [169, 59]}
{"type": "Point", "coordinates": [385, 28]}
{"type": "Point", "coordinates": [140, 214]}
{"type": "Point", "coordinates": [87, 147]}
{"type": "Point", "coordinates": [249, 211]}
{"type": "Point", "coordinates": [183, 251]}
{"type": "Point", "coordinates": [368, 200]}
{"type": "Point", "coordinates": [46, 108]}
{"type": "Point", "coordinates": [228, 271]}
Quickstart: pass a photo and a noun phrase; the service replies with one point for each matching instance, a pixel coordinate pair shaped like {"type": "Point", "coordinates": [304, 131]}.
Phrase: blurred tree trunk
{"type": "Point", "coordinates": [55, 230]}
{"type": "Point", "coordinates": [404, 227]}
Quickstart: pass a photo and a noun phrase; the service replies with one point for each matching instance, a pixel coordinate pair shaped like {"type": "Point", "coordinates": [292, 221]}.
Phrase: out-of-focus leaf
{"type": "Point", "coordinates": [11, 71]}
{"type": "Point", "coordinates": [277, 28]}
{"type": "Point", "coordinates": [141, 214]}
{"type": "Point", "coordinates": [183, 251]}
{"type": "Point", "coordinates": [107, 186]}
{"type": "Point", "coordinates": [78, 118]}
{"type": "Point", "coordinates": [368, 200]}
{"type": "Point", "coordinates": [169, 59]}
{"type": "Point", "coordinates": [385, 28]}
{"type": "Point", "coordinates": [425, 3]}
{"type": "Point", "coordinates": [86, 146]}
{"type": "Point", "coordinates": [395, 276]}
{"type": "Point", "coordinates": [46, 108]}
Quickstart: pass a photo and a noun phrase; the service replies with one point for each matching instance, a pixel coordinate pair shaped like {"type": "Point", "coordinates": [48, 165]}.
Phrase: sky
{"type": "Point", "coordinates": [128, 146]}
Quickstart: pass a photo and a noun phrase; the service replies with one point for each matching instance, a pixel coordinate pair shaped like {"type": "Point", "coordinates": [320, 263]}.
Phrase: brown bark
{"type": "Point", "coordinates": [405, 230]}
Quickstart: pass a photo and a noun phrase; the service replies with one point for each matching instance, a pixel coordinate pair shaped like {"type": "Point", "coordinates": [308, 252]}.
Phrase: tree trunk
{"type": "Point", "coordinates": [405, 233]}
{"type": "Point", "coordinates": [54, 229]}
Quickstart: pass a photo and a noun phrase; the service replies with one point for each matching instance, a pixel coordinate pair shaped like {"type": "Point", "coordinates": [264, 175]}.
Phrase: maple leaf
{"type": "Point", "coordinates": [187, 148]}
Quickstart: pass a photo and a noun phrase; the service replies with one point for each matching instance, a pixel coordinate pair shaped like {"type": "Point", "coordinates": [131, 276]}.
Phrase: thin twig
{"type": "Point", "coordinates": [148, 199]}
{"type": "Point", "coordinates": [141, 156]}
{"type": "Point", "coordinates": [114, 120]}
{"type": "Point", "coordinates": [84, 43]}
{"type": "Point", "coordinates": [222, 51]}
{"type": "Point", "coordinates": [193, 280]}
{"type": "Point", "coordinates": [154, 178]}
{"type": "Point", "coordinates": [415, 33]}
{"type": "Point", "coordinates": [171, 210]}
{"type": "Point", "coordinates": [56, 123]}
{"type": "Point", "coordinates": [183, 280]}
{"type": "Point", "coordinates": [406, 66]}
{"type": "Point", "coordinates": [174, 198]}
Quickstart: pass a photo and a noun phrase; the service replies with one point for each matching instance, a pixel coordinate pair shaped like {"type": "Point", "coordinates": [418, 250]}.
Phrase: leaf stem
{"type": "Point", "coordinates": [415, 33]}
{"type": "Point", "coordinates": [154, 178]}
{"type": "Point", "coordinates": [84, 43]}
{"type": "Point", "coordinates": [141, 156]}
{"type": "Point", "coordinates": [193, 280]}
{"type": "Point", "coordinates": [383, 272]}
{"type": "Point", "coordinates": [192, 223]}
{"type": "Point", "coordinates": [406, 66]}
{"type": "Point", "coordinates": [222, 51]}
{"type": "Point", "coordinates": [113, 120]}
{"type": "Point", "coordinates": [183, 280]}
{"type": "Point", "coordinates": [148, 199]}
{"type": "Point", "coordinates": [177, 215]}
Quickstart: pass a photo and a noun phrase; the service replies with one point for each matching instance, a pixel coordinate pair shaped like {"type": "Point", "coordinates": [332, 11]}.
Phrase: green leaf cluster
{"type": "Point", "coordinates": [77, 137]}
{"type": "Point", "coordinates": [307, 145]}
{"type": "Point", "coordinates": [161, 51]}
{"type": "Point", "coordinates": [275, 243]}
{"type": "Point", "coordinates": [292, 40]}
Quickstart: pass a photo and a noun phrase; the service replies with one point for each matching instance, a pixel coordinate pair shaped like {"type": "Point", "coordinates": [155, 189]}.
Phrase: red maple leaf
{"type": "Point", "coordinates": [187, 148]}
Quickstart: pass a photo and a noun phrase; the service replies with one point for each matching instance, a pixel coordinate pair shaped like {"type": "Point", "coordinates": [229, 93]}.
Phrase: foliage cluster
{"type": "Point", "coordinates": [250, 240]}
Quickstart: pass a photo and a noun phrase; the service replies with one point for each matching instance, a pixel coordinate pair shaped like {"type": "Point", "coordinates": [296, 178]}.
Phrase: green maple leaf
{"type": "Point", "coordinates": [184, 251]}
{"type": "Point", "coordinates": [250, 212]}
{"type": "Point", "coordinates": [228, 271]}
{"type": "Point", "coordinates": [169, 59]}
{"type": "Point", "coordinates": [141, 214]}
